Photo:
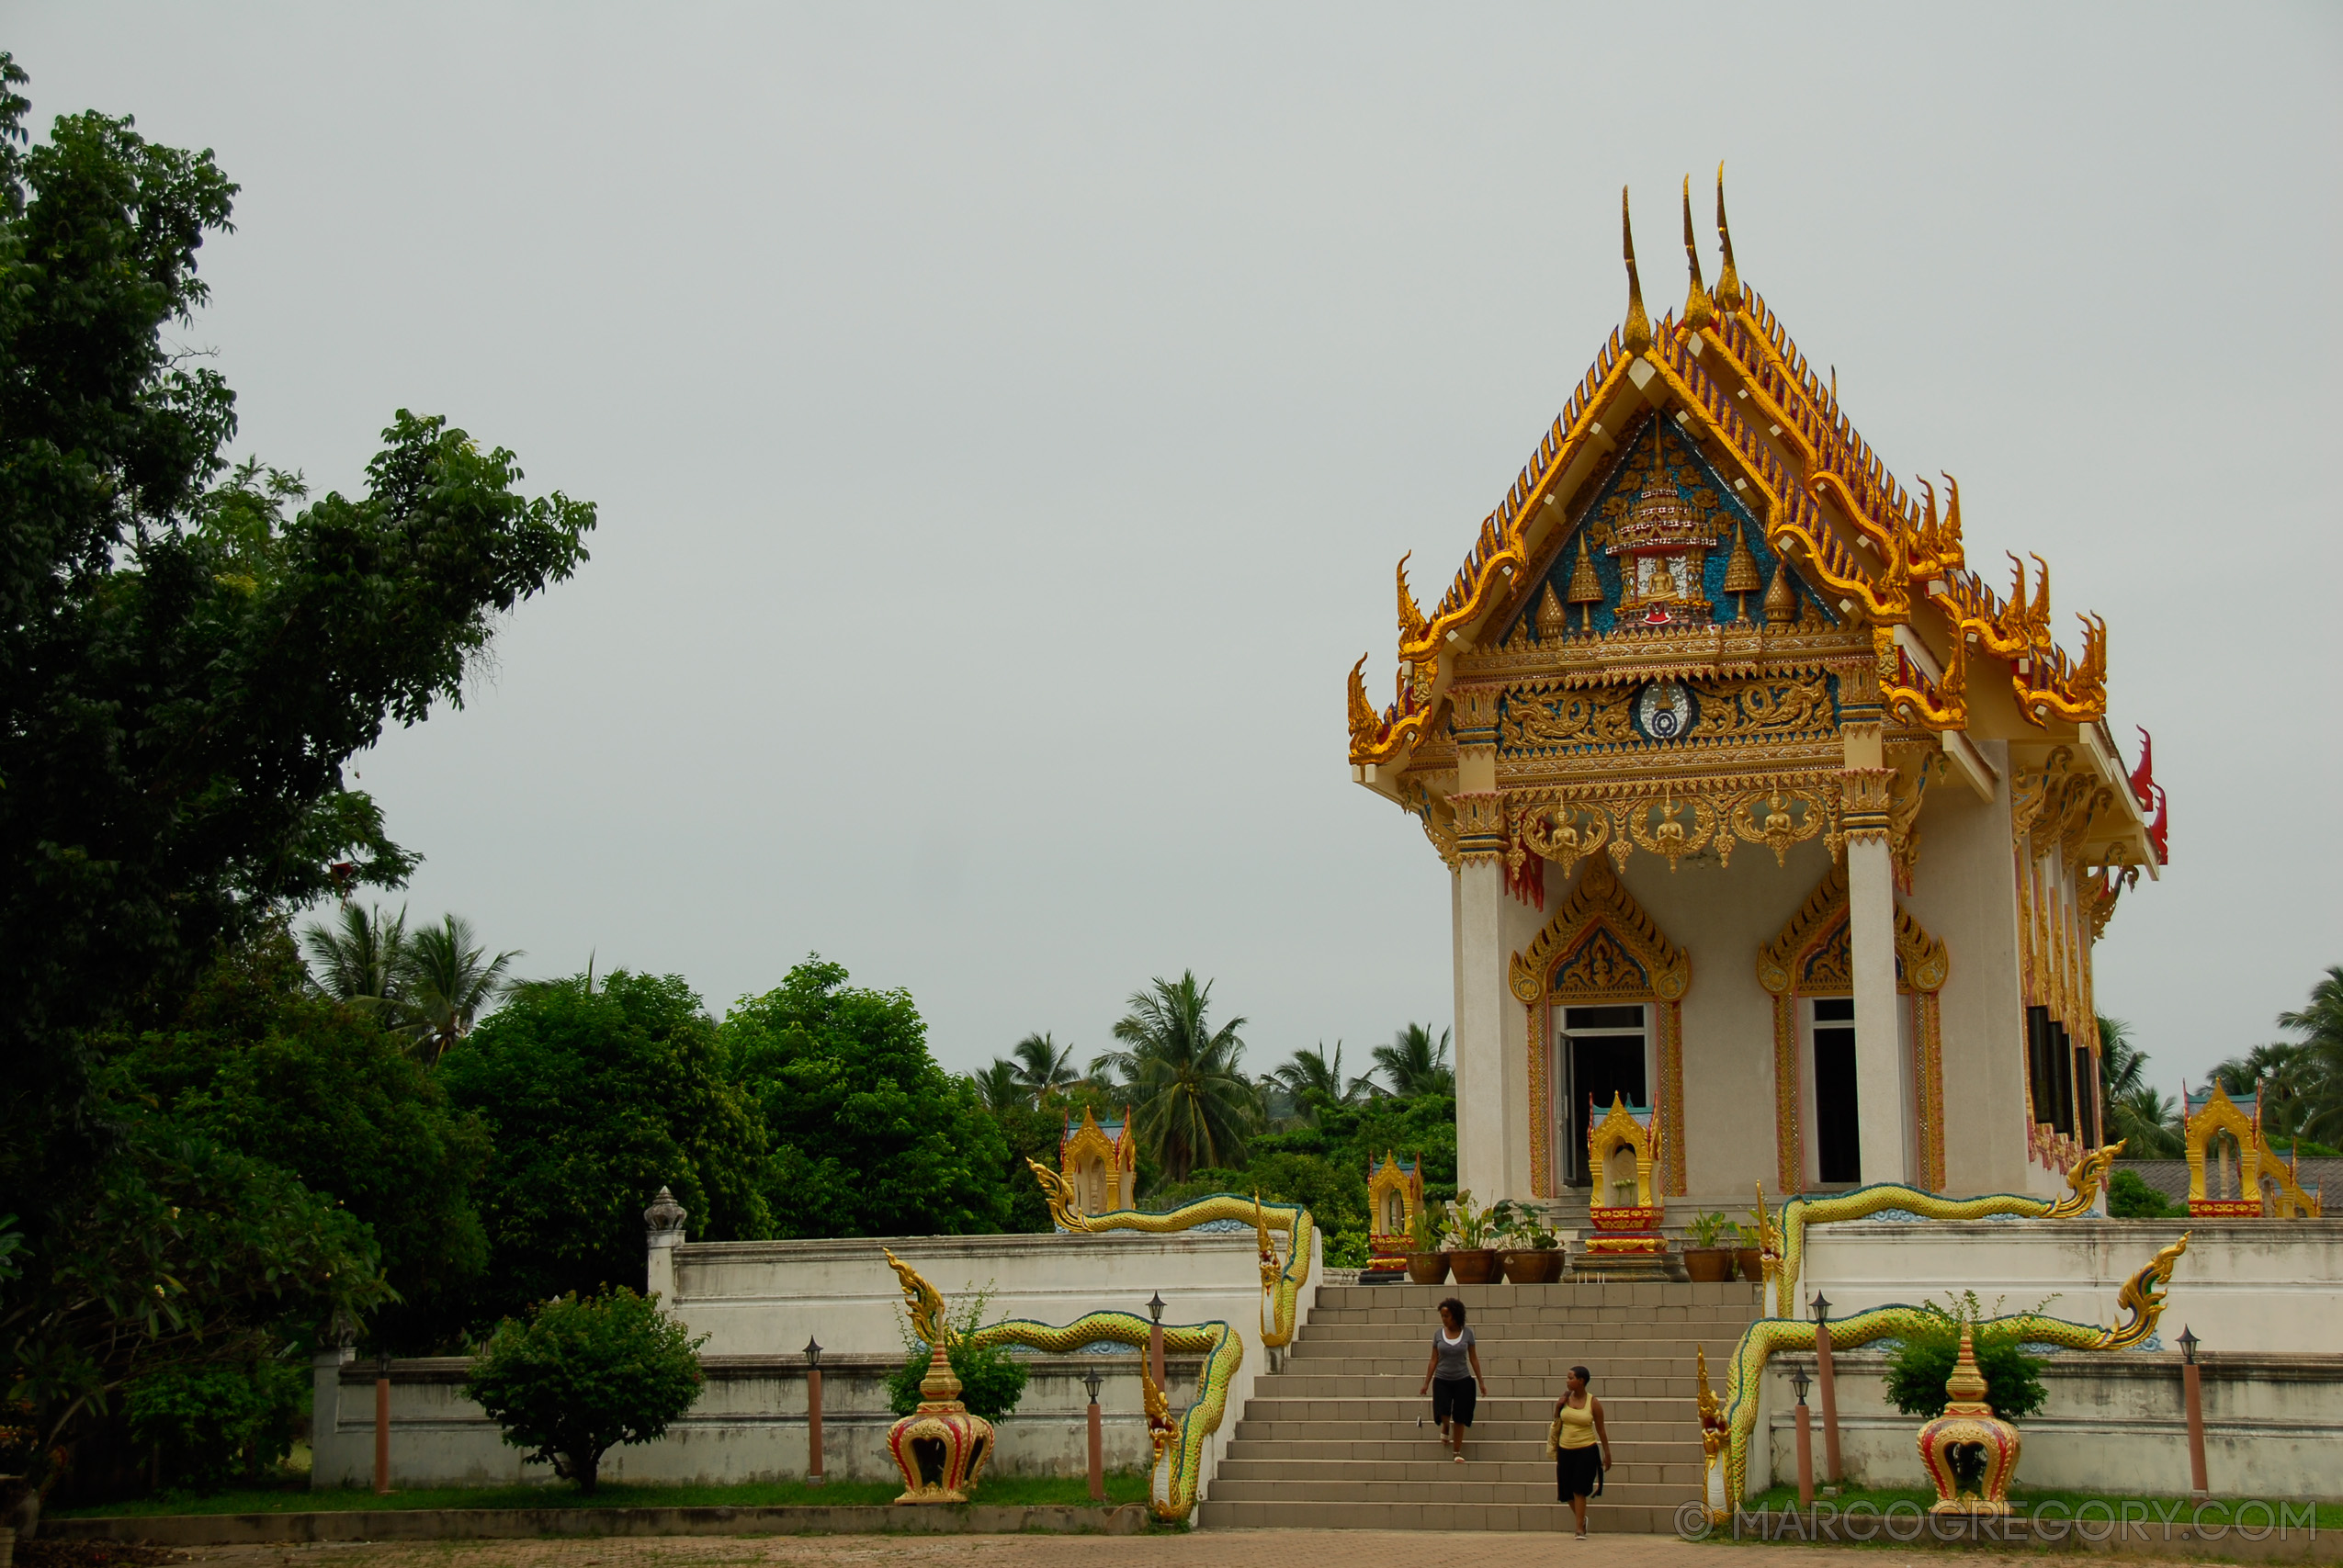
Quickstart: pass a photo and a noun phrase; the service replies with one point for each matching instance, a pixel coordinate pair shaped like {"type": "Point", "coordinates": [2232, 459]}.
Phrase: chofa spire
{"type": "Point", "coordinates": [1728, 282]}
{"type": "Point", "coordinates": [1699, 310]}
{"type": "Point", "coordinates": [1636, 337]}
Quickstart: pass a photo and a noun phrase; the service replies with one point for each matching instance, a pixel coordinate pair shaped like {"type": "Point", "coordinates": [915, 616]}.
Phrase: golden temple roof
{"type": "Point", "coordinates": [1736, 385]}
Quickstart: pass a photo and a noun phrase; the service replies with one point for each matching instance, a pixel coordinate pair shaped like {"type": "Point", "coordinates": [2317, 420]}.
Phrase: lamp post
{"type": "Point", "coordinates": [813, 1411]}
{"type": "Point", "coordinates": [1829, 1381]}
{"type": "Point", "coordinates": [1799, 1381]}
{"type": "Point", "coordinates": [1090, 1380]}
{"type": "Point", "coordinates": [382, 1423]}
{"type": "Point", "coordinates": [1155, 1338]}
{"type": "Point", "coordinates": [2191, 1393]}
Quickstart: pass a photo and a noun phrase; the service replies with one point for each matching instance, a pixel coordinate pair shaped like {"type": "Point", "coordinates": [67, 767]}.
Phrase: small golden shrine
{"type": "Point", "coordinates": [1395, 1196]}
{"type": "Point", "coordinates": [1712, 692]}
{"type": "Point", "coordinates": [1625, 1211]}
{"type": "Point", "coordinates": [941, 1446]}
{"type": "Point", "coordinates": [1970, 1452]}
{"type": "Point", "coordinates": [1100, 1163]}
{"type": "Point", "coordinates": [2233, 1171]}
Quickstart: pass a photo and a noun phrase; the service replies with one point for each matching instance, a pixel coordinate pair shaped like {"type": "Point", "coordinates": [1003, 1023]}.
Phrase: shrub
{"type": "Point", "coordinates": [1918, 1369]}
{"type": "Point", "coordinates": [1346, 1249]}
{"type": "Point", "coordinates": [582, 1376]}
{"type": "Point", "coordinates": [208, 1425]}
{"type": "Point", "coordinates": [2129, 1198]}
{"type": "Point", "coordinates": [991, 1381]}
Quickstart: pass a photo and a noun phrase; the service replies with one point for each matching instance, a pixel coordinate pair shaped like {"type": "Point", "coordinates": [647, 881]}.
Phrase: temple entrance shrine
{"type": "Point", "coordinates": [1765, 816]}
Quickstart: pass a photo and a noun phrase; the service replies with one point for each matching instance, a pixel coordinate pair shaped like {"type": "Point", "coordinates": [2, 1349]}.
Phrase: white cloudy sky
{"type": "Point", "coordinates": [1004, 421]}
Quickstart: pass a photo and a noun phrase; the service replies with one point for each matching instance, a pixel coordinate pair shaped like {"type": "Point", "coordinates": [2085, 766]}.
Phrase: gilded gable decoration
{"type": "Point", "coordinates": [1100, 1163]}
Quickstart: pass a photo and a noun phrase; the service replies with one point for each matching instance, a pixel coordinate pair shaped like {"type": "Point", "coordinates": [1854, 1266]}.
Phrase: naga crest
{"type": "Point", "coordinates": [924, 1303]}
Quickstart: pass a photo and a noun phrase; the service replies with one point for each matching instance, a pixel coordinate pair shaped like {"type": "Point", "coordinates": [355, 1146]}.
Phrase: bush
{"type": "Point", "coordinates": [991, 1381]}
{"type": "Point", "coordinates": [1918, 1371]}
{"type": "Point", "coordinates": [2130, 1198]}
{"type": "Point", "coordinates": [211, 1425]}
{"type": "Point", "coordinates": [582, 1376]}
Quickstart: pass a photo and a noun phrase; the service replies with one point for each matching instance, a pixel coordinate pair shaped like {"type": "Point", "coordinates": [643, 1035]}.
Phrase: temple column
{"type": "Point", "coordinates": [1882, 1093]}
{"type": "Point", "coordinates": [1483, 1115]}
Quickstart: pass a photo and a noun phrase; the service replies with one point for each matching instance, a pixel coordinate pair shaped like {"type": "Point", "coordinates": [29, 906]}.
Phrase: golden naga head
{"type": "Point", "coordinates": [2082, 1182]}
{"type": "Point", "coordinates": [923, 1300]}
{"type": "Point", "coordinates": [1059, 1193]}
{"type": "Point", "coordinates": [2142, 1296]}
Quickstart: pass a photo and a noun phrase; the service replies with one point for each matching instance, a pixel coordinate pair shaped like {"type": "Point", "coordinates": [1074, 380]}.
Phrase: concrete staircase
{"type": "Point", "coordinates": [1331, 1440]}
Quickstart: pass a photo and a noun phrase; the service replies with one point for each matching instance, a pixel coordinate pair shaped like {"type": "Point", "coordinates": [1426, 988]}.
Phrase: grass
{"type": "Point", "coordinates": [1002, 1491]}
{"type": "Point", "coordinates": [2029, 1498]}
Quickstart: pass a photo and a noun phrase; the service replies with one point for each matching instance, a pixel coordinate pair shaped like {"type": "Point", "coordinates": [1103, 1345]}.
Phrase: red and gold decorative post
{"type": "Point", "coordinates": [940, 1448]}
{"type": "Point", "coordinates": [1969, 1436]}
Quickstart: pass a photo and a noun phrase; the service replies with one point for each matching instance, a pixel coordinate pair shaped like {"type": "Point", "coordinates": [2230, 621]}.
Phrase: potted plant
{"type": "Point", "coordinates": [1705, 1262]}
{"type": "Point", "coordinates": [1750, 1252]}
{"type": "Point", "coordinates": [1427, 1265]}
{"type": "Point", "coordinates": [1470, 1230]}
{"type": "Point", "coordinates": [1532, 1253]}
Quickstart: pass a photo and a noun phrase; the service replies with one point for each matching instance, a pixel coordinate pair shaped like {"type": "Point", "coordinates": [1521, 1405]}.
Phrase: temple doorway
{"type": "Point", "coordinates": [1837, 1126]}
{"type": "Point", "coordinates": [1604, 1050]}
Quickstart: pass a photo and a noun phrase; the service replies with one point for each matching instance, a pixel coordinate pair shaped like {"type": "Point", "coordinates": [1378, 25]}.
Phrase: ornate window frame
{"type": "Point", "coordinates": [1600, 903]}
{"type": "Point", "coordinates": [1785, 968]}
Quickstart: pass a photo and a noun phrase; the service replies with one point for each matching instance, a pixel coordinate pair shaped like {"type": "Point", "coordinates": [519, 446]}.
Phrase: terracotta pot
{"type": "Point", "coordinates": [1539, 1265]}
{"type": "Point", "coordinates": [1708, 1265]}
{"type": "Point", "coordinates": [1479, 1266]}
{"type": "Point", "coordinates": [1752, 1261]}
{"type": "Point", "coordinates": [1427, 1267]}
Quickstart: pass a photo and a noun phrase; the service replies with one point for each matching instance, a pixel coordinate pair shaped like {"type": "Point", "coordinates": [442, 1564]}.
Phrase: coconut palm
{"type": "Point", "coordinates": [2321, 1026]}
{"type": "Point", "coordinates": [2122, 1065]}
{"type": "Point", "coordinates": [2147, 1122]}
{"type": "Point", "coordinates": [1414, 1062]}
{"type": "Point", "coordinates": [1001, 1088]}
{"type": "Point", "coordinates": [1191, 1101]}
{"type": "Point", "coordinates": [1043, 1066]}
{"type": "Point", "coordinates": [1312, 1082]}
{"type": "Point", "coordinates": [450, 981]}
{"type": "Point", "coordinates": [360, 958]}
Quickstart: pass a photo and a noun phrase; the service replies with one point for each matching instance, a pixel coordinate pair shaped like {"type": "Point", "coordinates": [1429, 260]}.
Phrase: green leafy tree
{"type": "Point", "coordinates": [1192, 1104]}
{"type": "Point", "coordinates": [582, 1376]}
{"type": "Point", "coordinates": [1315, 1082]}
{"type": "Point", "coordinates": [190, 659]}
{"type": "Point", "coordinates": [871, 1137]}
{"type": "Point", "coordinates": [1045, 1067]}
{"type": "Point", "coordinates": [1920, 1366]}
{"type": "Point", "coordinates": [1414, 1062]}
{"type": "Point", "coordinates": [209, 1425]}
{"type": "Point", "coordinates": [991, 1379]}
{"type": "Point", "coordinates": [2147, 1122]}
{"type": "Point", "coordinates": [2131, 1198]}
{"type": "Point", "coordinates": [450, 980]}
{"type": "Point", "coordinates": [594, 1102]}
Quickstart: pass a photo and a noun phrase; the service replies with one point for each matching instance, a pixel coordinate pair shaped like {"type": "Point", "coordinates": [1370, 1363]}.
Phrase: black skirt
{"type": "Point", "coordinates": [1577, 1473]}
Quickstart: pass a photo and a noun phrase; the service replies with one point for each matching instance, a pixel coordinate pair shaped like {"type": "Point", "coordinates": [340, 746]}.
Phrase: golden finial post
{"type": "Point", "coordinates": [1636, 337]}
{"type": "Point", "coordinates": [1728, 281]}
{"type": "Point", "coordinates": [1699, 312]}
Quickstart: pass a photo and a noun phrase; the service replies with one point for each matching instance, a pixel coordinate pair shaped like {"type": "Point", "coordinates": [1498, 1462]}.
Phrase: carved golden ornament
{"type": "Point", "coordinates": [1741, 576]}
{"type": "Point", "coordinates": [2210, 1116]}
{"type": "Point", "coordinates": [1535, 721]}
{"type": "Point", "coordinates": [1601, 900]}
{"type": "Point", "coordinates": [1969, 1424]}
{"type": "Point", "coordinates": [924, 1303]}
{"type": "Point", "coordinates": [1909, 694]}
{"type": "Point", "coordinates": [1866, 796]}
{"type": "Point", "coordinates": [1699, 310]}
{"type": "Point", "coordinates": [1395, 1196]}
{"type": "Point", "coordinates": [1655, 827]}
{"type": "Point", "coordinates": [1620, 1129]}
{"type": "Point", "coordinates": [1728, 282]}
{"type": "Point", "coordinates": [1565, 835]}
{"type": "Point", "coordinates": [1553, 620]}
{"type": "Point", "coordinates": [1471, 713]}
{"type": "Point", "coordinates": [1636, 335]}
{"type": "Point", "coordinates": [1481, 826]}
{"type": "Point", "coordinates": [1711, 1411]}
{"type": "Point", "coordinates": [1412, 625]}
{"type": "Point", "coordinates": [1785, 966]}
{"type": "Point", "coordinates": [1115, 1158]}
{"type": "Point", "coordinates": [2082, 1182]}
{"type": "Point", "coordinates": [1781, 599]}
{"type": "Point", "coordinates": [1791, 817]}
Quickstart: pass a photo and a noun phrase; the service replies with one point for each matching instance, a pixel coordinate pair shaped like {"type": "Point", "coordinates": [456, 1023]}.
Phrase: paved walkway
{"type": "Point", "coordinates": [1207, 1549]}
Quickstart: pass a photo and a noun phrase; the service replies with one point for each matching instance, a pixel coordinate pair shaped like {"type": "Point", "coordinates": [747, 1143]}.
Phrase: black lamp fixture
{"type": "Point", "coordinates": [1800, 1382]}
{"type": "Point", "coordinates": [813, 1351]}
{"type": "Point", "coordinates": [1821, 1308]}
{"type": "Point", "coordinates": [1155, 1306]}
{"type": "Point", "coordinates": [2188, 1346]}
{"type": "Point", "coordinates": [382, 1366]}
{"type": "Point", "coordinates": [1091, 1381]}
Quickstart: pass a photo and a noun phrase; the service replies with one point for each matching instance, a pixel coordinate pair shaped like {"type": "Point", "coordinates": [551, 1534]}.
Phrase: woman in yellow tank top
{"type": "Point", "coordinates": [1581, 1446]}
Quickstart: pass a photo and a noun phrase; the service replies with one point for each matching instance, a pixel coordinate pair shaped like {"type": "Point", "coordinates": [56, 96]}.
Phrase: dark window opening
{"type": "Point", "coordinates": [1838, 1127]}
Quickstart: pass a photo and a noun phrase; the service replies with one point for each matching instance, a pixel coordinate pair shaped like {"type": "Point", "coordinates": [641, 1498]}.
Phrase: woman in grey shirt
{"type": "Point", "coordinates": [1454, 1389]}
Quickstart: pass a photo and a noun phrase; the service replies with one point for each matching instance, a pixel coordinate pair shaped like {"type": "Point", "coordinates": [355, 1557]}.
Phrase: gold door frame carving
{"type": "Point", "coordinates": [1807, 958]}
{"type": "Point", "coordinates": [1625, 957]}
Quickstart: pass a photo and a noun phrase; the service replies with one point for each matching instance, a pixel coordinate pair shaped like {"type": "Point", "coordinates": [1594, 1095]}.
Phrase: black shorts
{"type": "Point", "coordinates": [1577, 1473]}
{"type": "Point", "coordinates": [1452, 1400]}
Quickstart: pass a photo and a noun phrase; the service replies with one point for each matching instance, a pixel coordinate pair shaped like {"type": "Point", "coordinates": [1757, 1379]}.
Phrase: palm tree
{"type": "Point", "coordinates": [2321, 1025]}
{"type": "Point", "coordinates": [1001, 1088]}
{"type": "Point", "coordinates": [2122, 1065]}
{"type": "Point", "coordinates": [1191, 1100]}
{"type": "Point", "coordinates": [361, 959]}
{"type": "Point", "coordinates": [1415, 1062]}
{"type": "Point", "coordinates": [2147, 1122]}
{"type": "Point", "coordinates": [1312, 1082]}
{"type": "Point", "coordinates": [450, 981]}
{"type": "Point", "coordinates": [1043, 1066]}
{"type": "Point", "coordinates": [2286, 1072]}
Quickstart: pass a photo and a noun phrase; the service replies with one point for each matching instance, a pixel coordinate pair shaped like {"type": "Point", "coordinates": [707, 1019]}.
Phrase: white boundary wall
{"type": "Point", "coordinates": [760, 1302]}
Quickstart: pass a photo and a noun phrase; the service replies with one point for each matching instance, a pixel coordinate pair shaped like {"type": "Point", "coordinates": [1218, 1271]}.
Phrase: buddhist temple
{"type": "Point", "coordinates": [1766, 817]}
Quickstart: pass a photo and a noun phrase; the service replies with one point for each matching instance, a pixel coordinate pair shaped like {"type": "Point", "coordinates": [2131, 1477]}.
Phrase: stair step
{"type": "Point", "coordinates": [1604, 1518]}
